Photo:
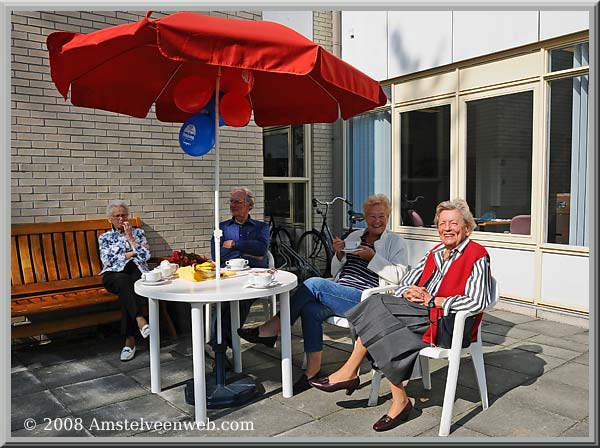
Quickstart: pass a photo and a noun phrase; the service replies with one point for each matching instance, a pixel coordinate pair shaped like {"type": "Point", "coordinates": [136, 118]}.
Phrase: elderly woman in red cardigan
{"type": "Point", "coordinates": [391, 329]}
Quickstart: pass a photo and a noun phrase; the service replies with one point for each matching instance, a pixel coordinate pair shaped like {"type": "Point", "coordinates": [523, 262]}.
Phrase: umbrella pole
{"type": "Point", "coordinates": [218, 233]}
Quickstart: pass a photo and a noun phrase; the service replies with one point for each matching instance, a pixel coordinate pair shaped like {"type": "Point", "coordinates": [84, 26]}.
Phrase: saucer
{"type": "Point", "coordinates": [273, 284]}
{"type": "Point", "coordinates": [349, 251]}
{"type": "Point", "coordinates": [231, 269]}
{"type": "Point", "coordinates": [159, 282]}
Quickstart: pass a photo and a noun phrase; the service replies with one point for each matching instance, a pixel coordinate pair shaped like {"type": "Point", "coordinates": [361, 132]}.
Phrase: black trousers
{"type": "Point", "coordinates": [121, 284]}
{"type": "Point", "coordinates": [245, 306]}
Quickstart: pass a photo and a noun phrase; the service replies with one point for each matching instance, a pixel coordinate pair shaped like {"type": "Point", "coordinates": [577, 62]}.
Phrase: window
{"type": "Point", "coordinates": [424, 163]}
{"type": "Point", "coordinates": [567, 146]}
{"type": "Point", "coordinates": [368, 156]}
{"type": "Point", "coordinates": [499, 161]}
{"type": "Point", "coordinates": [284, 156]}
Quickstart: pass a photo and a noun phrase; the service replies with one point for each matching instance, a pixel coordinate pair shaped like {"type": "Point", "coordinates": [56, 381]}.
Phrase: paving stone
{"type": "Point", "coordinates": [15, 364]}
{"type": "Point", "coordinates": [510, 418]}
{"type": "Point", "coordinates": [579, 429]}
{"type": "Point", "coordinates": [561, 342]}
{"type": "Point", "coordinates": [171, 373]}
{"type": "Point", "coordinates": [456, 431]}
{"type": "Point", "coordinates": [573, 374]}
{"type": "Point", "coordinates": [24, 383]}
{"type": "Point", "coordinates": [550, 328]}
{"type": "Point", "coordinates": [549, 350]}
{"type": "Point", "coordinates": [509, 331]}
{"type": "Point", "coordinates": [551, 396]}
{"type": "Point", "coordinates": [583, 358]}
{"type": "Point", "coordinates": [498, 380]}
{"type": "Point", "coordinates": [523, 358]}
{"type": "Point", "coordinates": [38, 406]}
{"type": "Point", "coordinates": [130, 417]}
{"type": "Point", "coordinates": [492, 339]}
{"type": "Point", "coordinates": [141, 359]}
{"type": "Point", "coordinates": [581, 338]}
{"type": "Point", "coordinates": [317, 430]}
{"type": "Point", "coordinates": [98, 392]}
{"type": "Point", "coordinates": [506, 317]}
{"type": "Point", "coordinates": [67, 426]}
{"type": "Point", "coordinates": [74, 372]}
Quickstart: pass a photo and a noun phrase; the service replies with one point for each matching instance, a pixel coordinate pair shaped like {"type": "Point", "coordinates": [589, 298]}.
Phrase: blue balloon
{"type": "Point", "coordinates": [210, 109]}
{"type": "Point", "coordinates": [197, 135]}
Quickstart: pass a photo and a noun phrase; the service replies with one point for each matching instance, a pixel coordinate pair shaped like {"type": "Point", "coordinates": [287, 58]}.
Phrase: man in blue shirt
{"type": "Point", "coordinates": [243, 237]}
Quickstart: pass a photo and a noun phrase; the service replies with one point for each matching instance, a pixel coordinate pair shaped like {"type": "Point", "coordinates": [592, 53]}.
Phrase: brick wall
{"type": "Point", "coordinates": [68, 162]}
{"type": "Point", "coordinates": [322, 134]}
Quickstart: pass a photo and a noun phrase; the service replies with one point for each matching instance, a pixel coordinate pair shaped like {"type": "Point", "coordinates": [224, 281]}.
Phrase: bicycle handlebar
{"type": "Point", "coordinates": [316, 202]}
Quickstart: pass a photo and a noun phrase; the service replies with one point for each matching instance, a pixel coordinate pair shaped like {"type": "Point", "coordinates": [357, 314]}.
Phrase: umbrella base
{"type": "Point", "coordinates": [238, 390]}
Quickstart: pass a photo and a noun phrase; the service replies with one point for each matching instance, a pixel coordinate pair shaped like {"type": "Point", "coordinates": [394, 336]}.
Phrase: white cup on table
{"type": "Point", "coordinates": [152, 276]}
{"type": "Point", "coordinates": [261, 279]}
{"type": "Point", "coordinates": [236, 263]}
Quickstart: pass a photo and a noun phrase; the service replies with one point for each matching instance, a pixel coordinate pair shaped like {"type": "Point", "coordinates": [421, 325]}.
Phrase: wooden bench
{"type": "Point", "coordinates": [54, 267]}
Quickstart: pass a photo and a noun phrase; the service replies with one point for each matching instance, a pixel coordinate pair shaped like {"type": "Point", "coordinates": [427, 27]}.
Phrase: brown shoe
{"type": "Point", "coordinates": [386, 422]}
{"type": "Point", "coordinates": [324, 384]}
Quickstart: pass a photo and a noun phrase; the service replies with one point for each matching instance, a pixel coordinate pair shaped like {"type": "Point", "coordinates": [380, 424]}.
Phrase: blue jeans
{"type": "Point", "coordinates": [316, 300]}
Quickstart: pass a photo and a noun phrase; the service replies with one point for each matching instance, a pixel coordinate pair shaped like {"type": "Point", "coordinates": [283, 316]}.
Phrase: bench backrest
{"type": "Point", "coordinates": [47, 257]}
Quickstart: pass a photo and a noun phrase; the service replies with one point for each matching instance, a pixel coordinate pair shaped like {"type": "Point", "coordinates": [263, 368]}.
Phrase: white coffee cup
{"type": "Point", "coordinates": [165, 271]}
{"type": "Point", "coordinates": [237, 263]}
{"type": "Point", "coordinates": [351, 245]}
{"type": "Point", "coordinates": [152, 276]}
{"type": "Point", "coordinates": [261, 278]}
{"type": "Point", "coordinates": [167, 268]}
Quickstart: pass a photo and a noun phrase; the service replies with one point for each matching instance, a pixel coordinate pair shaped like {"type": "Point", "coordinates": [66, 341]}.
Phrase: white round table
{"type": "Point", "coordinates": [230, 289]}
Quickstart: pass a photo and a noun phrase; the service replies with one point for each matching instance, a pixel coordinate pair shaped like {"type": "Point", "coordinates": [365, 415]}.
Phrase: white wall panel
{"type": "Point", "coordinates": [515, 272]}
{"type": "Point", "coordinates": [300, 21]}
{"type": "Point", "coordinates": [566, 281]}
{"type": "Point", "coordinates": [364, 42]}
{"type": "Point", "coordinates": [477, 33]}
{"type": "Point", "coordinates": [418, 40]}
{"type": "Point", "coordinates": [558, 23]}
{"type": "Point", "coordinates": [416, 250]}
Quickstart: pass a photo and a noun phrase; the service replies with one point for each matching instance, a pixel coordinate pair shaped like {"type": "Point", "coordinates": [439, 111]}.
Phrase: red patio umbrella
{"type": "Point", "coordinates": [177, 61]}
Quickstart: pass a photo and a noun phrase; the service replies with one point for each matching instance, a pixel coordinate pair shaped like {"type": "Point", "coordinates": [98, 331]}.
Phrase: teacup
{"type": "Point", "coordinates": [351, 245]}
{"type": "Point", "coordinates": [237, 263]}
{"type": "Point", "coordinates": [167, 269]}
{"type": "Point", "coordinates": [262, 278]}
{"type": "Point", "coordinates": [152, 276]}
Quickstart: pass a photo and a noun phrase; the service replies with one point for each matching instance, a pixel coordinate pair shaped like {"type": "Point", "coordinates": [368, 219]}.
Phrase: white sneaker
{"type": "Point", "coordinates": [127, 353]}
{"type": "Point", "coordinates": [145, 331]}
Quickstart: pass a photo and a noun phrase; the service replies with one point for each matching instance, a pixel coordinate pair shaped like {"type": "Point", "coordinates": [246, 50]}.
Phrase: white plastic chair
{"type": "Point", "coordinates": [453, 355]}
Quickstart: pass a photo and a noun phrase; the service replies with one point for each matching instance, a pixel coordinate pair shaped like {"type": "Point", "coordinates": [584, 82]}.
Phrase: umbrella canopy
{"type": "Point", "coordinates": [128, 68]}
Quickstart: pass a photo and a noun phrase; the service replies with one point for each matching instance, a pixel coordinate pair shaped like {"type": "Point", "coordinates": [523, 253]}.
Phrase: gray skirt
{"type": "Point", "coordinates": [391, 329]}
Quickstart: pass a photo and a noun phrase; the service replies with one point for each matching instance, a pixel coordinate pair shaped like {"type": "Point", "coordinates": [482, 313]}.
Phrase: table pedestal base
{"type": "Point", "coordinates": [238, 390]}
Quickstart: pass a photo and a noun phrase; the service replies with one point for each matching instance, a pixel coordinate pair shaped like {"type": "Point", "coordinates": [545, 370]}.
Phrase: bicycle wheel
{"type": "Point", "coordinates": [279, 236]}
{"type": "Point", "coordinates": [313, 247]}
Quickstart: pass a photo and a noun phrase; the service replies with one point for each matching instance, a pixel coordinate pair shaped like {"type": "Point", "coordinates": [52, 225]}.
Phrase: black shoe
{"type": "Point", "coordinates": [303, 383]}
{"type": "Point", "coordinates": [251, 335]}
{"type": "Point", "coordinates": [386, 422]}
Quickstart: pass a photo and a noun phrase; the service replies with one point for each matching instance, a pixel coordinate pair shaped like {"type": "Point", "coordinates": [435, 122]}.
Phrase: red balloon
{"type": "Point", "coordinates": [235, 109]}
{"type": "Point", "coordinates": [192, 93]}
{"type": "Point", "coordinates": [237, 81]}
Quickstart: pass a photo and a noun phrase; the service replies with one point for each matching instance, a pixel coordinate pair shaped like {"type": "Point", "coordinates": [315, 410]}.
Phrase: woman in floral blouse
{"type": "Point", "coordinates": [124, 252]}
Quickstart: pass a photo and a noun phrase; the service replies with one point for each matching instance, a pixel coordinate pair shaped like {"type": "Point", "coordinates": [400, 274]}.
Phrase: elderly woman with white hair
{"type": "Point", "coordinates": [124, 252]}
{"type": "Point", "coordinates": [392, 329]}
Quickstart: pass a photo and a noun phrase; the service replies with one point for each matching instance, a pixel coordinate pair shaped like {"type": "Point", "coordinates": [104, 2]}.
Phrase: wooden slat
{"type": "Point", "coordinates": [93, 251]}
{"type": "Point", "coordinates": [72, 255]}
{"type": "Point", "coordinates": [15, 270]}
{"type": "Point", "coordinates": [37, 256]}
{"type": "Point", "coordinates": [37, 328]}
{"type": "Point", "coordinates": [60, 285]}
{"type": "Point", "coordinates": [82, 254]}
{"type": "Point", "coordinates": [61, 256]}
{"type": "Point", "coordinates": [25, 257]}
{"type": "Point", "coordinates": [48, 247]}
{"type": "Point", "coordinates": [68, 226]}
{"type": "Point", "coordinates": [45, 303]}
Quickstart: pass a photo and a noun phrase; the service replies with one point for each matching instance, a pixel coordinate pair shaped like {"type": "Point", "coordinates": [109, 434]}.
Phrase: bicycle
{"type": "Point", "coordinates": [316, 246]}
{"type": "Point", "coordinates": [278, 236]}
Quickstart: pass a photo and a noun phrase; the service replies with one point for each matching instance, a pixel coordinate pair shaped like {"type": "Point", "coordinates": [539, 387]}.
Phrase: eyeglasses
{"type": "Point", "coordinates": [121, 215]}
{"type": "Point", "coordinates": [236, 201]}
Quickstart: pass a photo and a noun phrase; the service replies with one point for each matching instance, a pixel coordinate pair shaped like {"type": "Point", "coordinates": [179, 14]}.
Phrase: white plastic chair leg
{"type": "Point", "coordinates": [424, 360]}
{"type": "Point", "coordinates": [273, 305]}
{"type": "Point", "coordinates": [375, 384]}
{"type": "Point", "coordinates": [449, 393]}
{"type": "Point", "coordinates": [266, 311]}
{"type": "Point", "coordinates": [207, 322]}
{"type": "Point", "coordinates": [477, 357]}
{"type": "Point", "coordinates": [304, 362]}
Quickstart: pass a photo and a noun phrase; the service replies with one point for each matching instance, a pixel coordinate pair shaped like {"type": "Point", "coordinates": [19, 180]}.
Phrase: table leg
{"type": "Point", "coordinates": [235, 338]}
{"type": "Point", "coordinates": [154, 345]}
{"type": "Point", "coordinates": [286, 345]}
{"type": "Point", "coordinates": [198, 361]}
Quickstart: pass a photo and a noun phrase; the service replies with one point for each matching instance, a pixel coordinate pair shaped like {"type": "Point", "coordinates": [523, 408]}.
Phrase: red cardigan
{"type": "Point", "coordinates": [453, 283]}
